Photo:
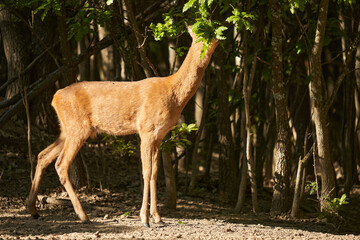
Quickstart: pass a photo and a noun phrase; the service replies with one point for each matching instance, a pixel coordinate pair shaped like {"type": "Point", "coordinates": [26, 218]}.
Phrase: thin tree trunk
{"type": "Point", "coordinates": [281, 193]}
{"type": "Point", "coordinates": [299, 183]}
{"type": "Point", "coordinates": [319, 111]}
{"type": "Point", "coordinates": [357, 108]}
{"type": "Point", "coordinates": [247, 160]}
{"type": "Point", "coordinates": [244, 170]}
{"type": "Point", "coordinates": [170, 201]}
{"type": "Point", "coordinates": [209, 152]}
{"type": "Point", "coordinates": [30, 157]}
{"type": "Point", "coordinates": [351, 27]}
{"type": "Point", "coordinates": [145, 62]}
{"type": "Point", "coordinates": [349, 163]}
{"type": "Point", "coordinates": [106, 63]}
{"type": "Point", "coordinates": [195, 156]}
{"type": "Point", "coordinates": [227, 182]}
{"type": "Point", "coordinates": [247, 85]}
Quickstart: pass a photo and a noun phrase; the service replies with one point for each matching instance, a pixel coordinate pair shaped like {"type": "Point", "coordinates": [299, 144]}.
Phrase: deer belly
{"type": "Point", "coordinates": [114, 125]}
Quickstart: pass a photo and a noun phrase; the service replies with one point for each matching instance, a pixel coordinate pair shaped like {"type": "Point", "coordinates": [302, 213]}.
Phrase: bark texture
{"type": "Point", "coordinates": [15, 40]}
{"type": "Point", "coordinates": [319, 111]}
{"type": "Point", "coordinates": [281, 154]}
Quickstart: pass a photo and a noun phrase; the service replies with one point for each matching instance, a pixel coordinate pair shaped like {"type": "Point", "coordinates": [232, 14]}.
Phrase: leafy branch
{"type": "Point", "coordinates": [199, 14]}
{"type": "Point", "coordinates": [178, 136]}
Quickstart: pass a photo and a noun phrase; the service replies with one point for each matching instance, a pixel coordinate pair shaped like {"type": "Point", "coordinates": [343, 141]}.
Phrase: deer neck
{"type": "Point", "coordinates": [188, 78]}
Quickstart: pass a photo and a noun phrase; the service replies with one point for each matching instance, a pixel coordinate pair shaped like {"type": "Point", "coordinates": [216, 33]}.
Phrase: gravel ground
{"type": "Point", "coordinates": [200, 221]}
{"type": "Point", "coordinates": [114, 213]}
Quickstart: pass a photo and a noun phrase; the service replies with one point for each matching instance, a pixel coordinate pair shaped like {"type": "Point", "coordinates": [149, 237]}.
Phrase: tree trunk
{"type": "Point", "coordinates": [244, 170]}
{"type": "Point", "coordinates": [357, 109]}
{"type": "Point", "coordinates": [106, 68]}
{"type": "Point", "coordinates": [146, 64]}
{"type": "Point", "coordinates": [281, 194]}
{"type": "Point", "coordinates": [351, 27]}
{"type": "Point", "coordinates": [227, 182]}
{"type": "Point", "coordinates": [195, 157]}
{"type": "Point", "coordinates": [299, 183]}
{"type": "Point", "coordinates": [15, 38]}
{"type": "Point", "coordinates": [319, 111]}
{"type": "Point", "coordinates": [349, 163]}
{"type": "Point", "coordinates": [170, 201]}
{"type": "Point", "coordinates": [247, 86]}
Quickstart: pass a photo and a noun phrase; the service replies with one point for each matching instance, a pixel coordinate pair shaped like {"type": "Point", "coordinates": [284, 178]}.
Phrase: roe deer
{"type": "Point", "coordinates": [150, 107]}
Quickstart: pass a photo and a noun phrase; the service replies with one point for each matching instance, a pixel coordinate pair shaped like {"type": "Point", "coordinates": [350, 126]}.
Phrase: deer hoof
{"type": "Point", "coordinates": [161, 223]}
{"type": "Point", "coordinates": [87, 221]}
{"type": "Point", "coordinates": [35, 216]}
{"type": "Point", "coordinates": [147, 225]}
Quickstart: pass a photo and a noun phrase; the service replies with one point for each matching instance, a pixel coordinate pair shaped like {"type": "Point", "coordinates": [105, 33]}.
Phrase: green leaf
{"type": "Point", "coordinates": [192, 127]}
{"type": "Point", "coordinates": [343, 200]}
{"type": "Point", "coordinates": [178, 136]}
{"type": "Point", "coordinates": [180, 222]}
{"type": "Point", "coordinates": [109, 2]}
{"type": "Point", "coordinates": [186, 142]}
{"type": "Point", "coordinates": [219, 32]}
{"type": "Point", "coordinates": [127, 214]}
{"type": "Point", "coordinates": [188, 5]}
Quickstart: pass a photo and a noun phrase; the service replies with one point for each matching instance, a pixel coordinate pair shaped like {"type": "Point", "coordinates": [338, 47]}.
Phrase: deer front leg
{"type": "Point", "coordinates": [149, 158]}
{"type": "Point", "coordinates": [144, 212]}
{"type": "Point", "coordinates": [153, 193]}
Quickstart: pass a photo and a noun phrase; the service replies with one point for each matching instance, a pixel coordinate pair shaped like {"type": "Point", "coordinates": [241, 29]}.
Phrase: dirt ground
{"type": "Point", "coordinates": [114, 210]}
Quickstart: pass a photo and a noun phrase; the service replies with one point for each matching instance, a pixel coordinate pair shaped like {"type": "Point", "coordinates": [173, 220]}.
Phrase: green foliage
{"type": "Point", "coordinates": [178, 136]}
{"type": "Point", "coordinates": [207, 30]}
{"type": "Point", "coordinates": [44, 7]}
{"type": "Point", "coordinates": [333, 206]}
{"type": "Point", "coordinates": [84, 18]}
{"type": "Point", "coordinates": [119, 145]}
{"type": "Point", "coordinates": [312, 187]}
{"type": "Point", "coordinates": [241, 19]}
{"type": "Point", "coordinates": [336, 203]}
{"type": "Point", "coordinates": [181, 222]}
{"type": "Point", "coordinates": [331, 212]}
{"type": "Point", "coordinates": [189, 4]}
{"type": "Point", "coordinates": [199, 14]}
{"type": "Point", "coordinates": [172, 26]}
{"type": "Point", "coordinates": [347, 2]}
{"type": "Point", "coordinates": [297, 4]}
{"type": "Point", "coordinates": [126, 214]}
{"type": "Point", "coordinates": [180, 51]}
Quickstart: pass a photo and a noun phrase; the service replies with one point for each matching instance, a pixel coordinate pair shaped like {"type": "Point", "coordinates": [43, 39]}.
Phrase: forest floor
{"type": "Point", "coordinates": [114, 210]}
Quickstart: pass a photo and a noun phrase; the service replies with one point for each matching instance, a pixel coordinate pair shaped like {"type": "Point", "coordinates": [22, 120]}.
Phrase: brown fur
{"type": "Point", "coordinates": [150, 107]}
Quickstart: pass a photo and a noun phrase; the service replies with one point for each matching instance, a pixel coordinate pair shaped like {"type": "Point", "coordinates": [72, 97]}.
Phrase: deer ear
{"type": "Point", "coordinates": [192, 34]}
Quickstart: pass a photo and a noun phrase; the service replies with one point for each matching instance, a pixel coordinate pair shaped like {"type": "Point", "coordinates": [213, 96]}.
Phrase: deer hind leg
{"type": "Point", "coordinates": [149, 157]}
{"type": "Point", "coordinates": [71, 147]}
{"type": "Point", "coordinates": [46, 157]}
